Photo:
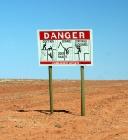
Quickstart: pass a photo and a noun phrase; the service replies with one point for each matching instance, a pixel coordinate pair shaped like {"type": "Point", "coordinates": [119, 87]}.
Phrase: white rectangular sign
{"type": "Point", "coordinates": [65, 47]}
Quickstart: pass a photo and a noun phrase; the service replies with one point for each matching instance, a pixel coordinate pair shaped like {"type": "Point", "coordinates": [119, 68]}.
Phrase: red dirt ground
{"type": "Point", "coordinates": [24, 111]}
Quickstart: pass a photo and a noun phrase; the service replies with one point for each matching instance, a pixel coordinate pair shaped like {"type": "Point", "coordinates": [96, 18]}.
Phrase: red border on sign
{"type": "Point", "coordinates": [65, 62]}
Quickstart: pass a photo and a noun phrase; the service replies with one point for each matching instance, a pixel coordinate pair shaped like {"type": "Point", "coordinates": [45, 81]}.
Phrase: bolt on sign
{"type": "Point", "coordinates": [65, 47]}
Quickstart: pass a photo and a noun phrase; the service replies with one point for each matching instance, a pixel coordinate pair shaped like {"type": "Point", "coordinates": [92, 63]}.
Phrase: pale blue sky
{"type": "Point", "coordinates": [19, 20]}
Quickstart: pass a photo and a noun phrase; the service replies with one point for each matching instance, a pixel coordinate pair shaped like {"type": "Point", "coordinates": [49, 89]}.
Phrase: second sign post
{"type": "Point", "coordinates": [50, 89]}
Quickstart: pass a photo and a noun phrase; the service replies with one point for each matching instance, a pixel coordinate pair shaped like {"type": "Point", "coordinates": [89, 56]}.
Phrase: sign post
{"type": "Point", "coordinates": [66, 48]}
{"type": "Point", "coordinates": [50, 88]}
{"type": "Point", "coordinates": [82, 92]}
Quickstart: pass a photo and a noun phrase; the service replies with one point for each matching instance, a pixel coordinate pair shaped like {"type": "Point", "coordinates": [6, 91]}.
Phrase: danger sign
{"type": "Point", "coordinates": [65, 47]}
{"type": "Point", "coordinates": [61, 35]}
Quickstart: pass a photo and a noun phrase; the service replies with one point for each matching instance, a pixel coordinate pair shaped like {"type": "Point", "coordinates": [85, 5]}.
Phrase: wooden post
{"type": "Point", "coordinates": [82, 92]}
{"type": "Point", "coordinates": [50, 89]}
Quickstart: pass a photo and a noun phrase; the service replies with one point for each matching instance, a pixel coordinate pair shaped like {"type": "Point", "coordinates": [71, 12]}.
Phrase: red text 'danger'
{"type": "Point", "coordinates": [62, 35]}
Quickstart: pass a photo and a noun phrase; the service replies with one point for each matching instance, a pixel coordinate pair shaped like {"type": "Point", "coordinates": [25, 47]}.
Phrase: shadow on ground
{"type": "Point", "coordinates": [46, 111]}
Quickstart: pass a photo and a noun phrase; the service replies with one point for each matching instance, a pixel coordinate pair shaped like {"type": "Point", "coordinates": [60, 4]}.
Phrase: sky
{"type": "Point", "coordinates": [20, 19]}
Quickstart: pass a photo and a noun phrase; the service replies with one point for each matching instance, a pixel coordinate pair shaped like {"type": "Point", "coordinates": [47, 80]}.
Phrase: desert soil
{"type": "Point", "coordinates": [24, 110]}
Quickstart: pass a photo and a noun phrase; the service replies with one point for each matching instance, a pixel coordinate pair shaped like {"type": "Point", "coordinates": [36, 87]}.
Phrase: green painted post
{"type": "Point", "coordinates": [82, 92]}
{"type": "Point", "coordinates": [50, 88]}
